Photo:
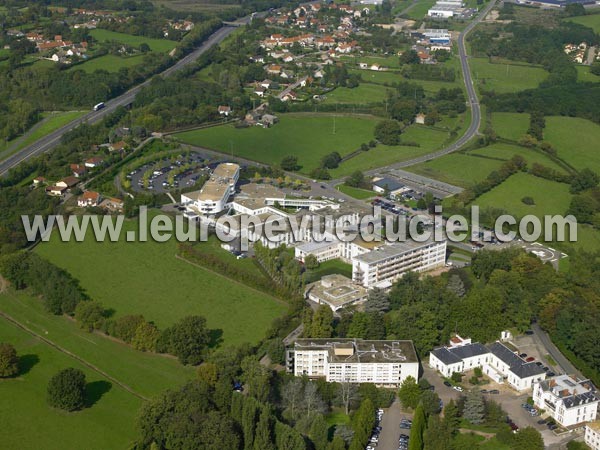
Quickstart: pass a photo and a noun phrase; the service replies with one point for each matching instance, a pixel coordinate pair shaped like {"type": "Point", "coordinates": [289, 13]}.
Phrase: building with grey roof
{"type": "Point", "coordinates": [384, 363]}
{"type": "Point", "coordinates": [569, 400]}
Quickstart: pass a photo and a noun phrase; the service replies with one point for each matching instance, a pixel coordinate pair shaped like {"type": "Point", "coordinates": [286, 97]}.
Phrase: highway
{"type": "Point", "coordinates": [51, 140]}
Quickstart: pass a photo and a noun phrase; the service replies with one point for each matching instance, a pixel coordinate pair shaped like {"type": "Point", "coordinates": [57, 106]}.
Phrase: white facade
{"type": "Point", "coordinates": [384, 363]}
{"type": "Point", "coordinates": [592, 435]}
{"type": "Point", "coordinates": [570, 401]}
{"type": "Point", "coordinates": [386, 264]}
{"type": "Point", "coordinates": [214, 195]}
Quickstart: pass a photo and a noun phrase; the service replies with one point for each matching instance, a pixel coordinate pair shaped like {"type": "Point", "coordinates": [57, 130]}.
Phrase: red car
{"type": "Point", "coordinates": [531, 358]}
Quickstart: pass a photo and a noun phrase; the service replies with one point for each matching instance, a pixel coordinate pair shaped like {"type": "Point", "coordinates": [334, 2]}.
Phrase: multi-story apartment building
{"type": "Point", "coordinates": [385, 264]}
{"type": "Point", "coordinates": [214, 195]}
{"type": "Point", "coordinates": [569, 400]}
{"type": "Point", "coordinates": [384, 363]}
{"type": "Point", "coordinates": [592, 435]}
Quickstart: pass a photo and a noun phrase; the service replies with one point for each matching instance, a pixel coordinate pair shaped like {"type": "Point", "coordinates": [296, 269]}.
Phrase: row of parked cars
{"type": "Point", "coordinates": [530, 409]}
{"type": "Point", "coordinates": [403, 441]}
{"type": "Point", "coordinates": [390, 207]}
{"type": "Point", "coordinates": [376, 430]}
{"type": "Point", "coordinates": [547, 369]}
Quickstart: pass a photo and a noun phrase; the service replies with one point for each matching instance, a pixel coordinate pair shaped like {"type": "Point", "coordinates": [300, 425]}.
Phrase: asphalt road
{"type": "Point", "coordinates": [49, 141]}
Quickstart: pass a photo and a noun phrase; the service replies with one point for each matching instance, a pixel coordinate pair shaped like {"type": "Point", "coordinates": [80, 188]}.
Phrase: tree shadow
{"type": "Point", "coordinates": [95, 390]}
{"type": "Point", "coordinates": [26, 363]}
{"type": "Point", "coordinates": [216, 337]}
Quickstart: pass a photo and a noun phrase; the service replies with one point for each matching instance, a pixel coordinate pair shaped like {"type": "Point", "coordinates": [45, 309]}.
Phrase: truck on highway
{"type": "Point", "coordinates": [99, 106]}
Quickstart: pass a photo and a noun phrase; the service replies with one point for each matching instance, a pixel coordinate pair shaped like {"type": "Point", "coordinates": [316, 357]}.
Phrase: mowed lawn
{"type": "Point", "coordinates": [362, 94]}
{"type": "Point", "coordinates": [110, 63]}
{"type": "Point", "coordinates": [576, 141]}
{"type": "Point", "coordinates": [157, 45]}
{"type": "Point", "coordinates": [28, 423]}
{"type": "Point", "coordinates": [429, 139]}
{"type": "Point", "coordinates": [550, 197]}
{"type": "Point", "coordinates": [309, 137]}
{"type": "Point", "coordinates": [146, 278]}
{"type": "Point", "coordinates": [589, 20]}
{"type": "Point", "coordinates": [502, 78]}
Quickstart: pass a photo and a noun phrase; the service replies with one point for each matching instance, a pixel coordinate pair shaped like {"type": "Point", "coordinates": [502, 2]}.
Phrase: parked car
{"type": "Point", "coordinates": [531, 358]}
{"type": "Point", "coordinates": [494, 391]}
{"type": "Point", "coordinates": [528, 332]}
{"type": "Point", "coordinates": [550, 374]}
{"type": "Point", "coordinates": [457, 388]}
{"type": "Point", "coordinates": [447, 383]}
{"type": "Point", "coordinates": [523, 355]}
{"type": "Point", "coordinates": [542, 422]}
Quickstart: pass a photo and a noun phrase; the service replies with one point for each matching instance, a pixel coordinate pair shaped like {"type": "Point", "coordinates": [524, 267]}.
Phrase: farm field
{"type": "Point", "coordinates": [110, 63]}
{"type": "Point", "coordinates": [507, 151]}
{"type": "Point", "coordinates": [590, 20]}
{"type": "Point", "coordinates": [388, 77]}
{"type": "Point", "coordinates": [419, 11]}
{"type": "Point", "coordinates": [307, 136]}
{"type": "Point", "coordinates": [29, 423]}
{"type": "Point", "coordinates": [581, 152]}
{"type": "Point", "coordinates": [510, 125]}
{"type": "Point", "coordinates": [383, 155]}
{"type": "Point", "coordinates": [161, 287]}
{"type": "Point", "coordinates": [505, 77]}
{"type": "Point", "coordinates": [362, 94]}
{"type": "Point", "coordinates": [157, 45]}
{"type": "Point", "coordinates": [550, 197]}
{"type": "Point", "coordinates": [584, 75]}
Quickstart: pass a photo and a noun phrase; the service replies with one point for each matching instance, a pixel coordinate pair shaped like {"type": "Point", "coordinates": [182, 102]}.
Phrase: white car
{"type": "Point", "coordinates": [457, 388]}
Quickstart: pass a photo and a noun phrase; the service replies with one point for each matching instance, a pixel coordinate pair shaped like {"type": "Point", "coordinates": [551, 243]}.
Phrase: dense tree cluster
{"type": "Point", "coordinates": [66, 390]}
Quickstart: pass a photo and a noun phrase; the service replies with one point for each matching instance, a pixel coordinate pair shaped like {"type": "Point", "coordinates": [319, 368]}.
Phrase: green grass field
{"type": "Point", "coordinates": [506, 152]}
{"type": "Point", "coordinates": [550, 197]}
{"type": "Point", "coordinates": [419, 11]}
{"type": "Point", "coordinates": [362, 94]}
{"type": "Point", "coordinates": [590, 20]}
{"type": "Point", "coordinates": [510, 125]}
{"type": "Point", "coordinates": [51, 122]}
{"type": "Point", "coordinates": [157, 45]}
{"type": "Point", "coordinates": [584, 75]}
{"type": "Point", "coordinates": [146, 278]}
{"type": "Point", "coordinates": [505, 77]}
{"type": "Point", "coordinates": [388, 77]}
{"type": "Point", "coordinates": [309, 137]}
{"type": "Point", "coordinates": [390, 62]}
{"type": "Point", "coordinates": [28, 423]}
{"type": "Point", "coordinates": [576, 141]}
{"type": "Point", "coordinates": [360, 194]}
{"type": "Point", "coordinates": [110, 63]}
{"type": "Point", "coordinates": [383, 155]}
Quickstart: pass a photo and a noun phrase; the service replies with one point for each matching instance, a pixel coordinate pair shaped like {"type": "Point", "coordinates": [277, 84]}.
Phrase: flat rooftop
{"type": "Point", "coordinates": [262, 191]}
{"type": "Point", "coordinates": [226, 170]}
{"type": "Point", "coordinates": [336, 290]}
{"type": "Point", "coordinates": [392, 250]}
{"type": "Point", "coordinates": [363, 351]}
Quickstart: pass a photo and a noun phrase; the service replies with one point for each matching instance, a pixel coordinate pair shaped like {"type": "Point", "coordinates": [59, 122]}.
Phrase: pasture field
{"type": "Point", "coordinates": [157, 45]}
{"type": "Point", "coordinates": [389, 77]}
{"type": "Point", "coordinates": [383, 155]}
{"type": "Point", "coordinates": [307, 136]}
{"type": "Point", "coordinates": [419, 11]}
{"type": "Point", "coordinates": [146, 278]}
{"type": "Point", "coordinates": [507, 151]}
{"type": "Point", "coordinates": [29, 423]}
{"type": "Point", "coordinates": [510, 125]}
{"type": "Point", "coordinates": [503, 78]}
{"type": "Point", "coordinates": [589, 20]}
{"type": "Point", "coordinates": [584, 74]}
{"type": "Point", "coordinates": [205, 6]}
{"type": "Point", "coordinates": [362, 94]}
{"type": "Point", "coordinates": [550, 197]}
{"type": "Point", "coordinates": [576, 141]}
{"type": "Point", "coordinates": [390, 61]}
{"type": "Point", "coordinates": [110, 63]}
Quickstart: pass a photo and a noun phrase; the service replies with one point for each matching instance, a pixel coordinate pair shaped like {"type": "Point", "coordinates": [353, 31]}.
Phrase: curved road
{"type": "Point", "coordinates": [51, 140]}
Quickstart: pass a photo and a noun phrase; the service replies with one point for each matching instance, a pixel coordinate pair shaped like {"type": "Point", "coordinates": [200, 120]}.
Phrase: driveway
{"type": "Point", "coordinates": [390, 427]}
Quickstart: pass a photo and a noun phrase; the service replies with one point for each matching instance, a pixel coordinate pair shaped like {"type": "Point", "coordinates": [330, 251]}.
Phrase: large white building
{"type": "Point", "coordinates": [592, 435]}
{"type": "Point", "coordinates": [497, 361]}
{"type": "Point", "coordinates": [383, 265]}
{"type": "Point", "coordinates": [384, 363]}
{"type": "Point", "coordinates": [214, 195]}
{"type": "Point", "coordinates": [570, 401]}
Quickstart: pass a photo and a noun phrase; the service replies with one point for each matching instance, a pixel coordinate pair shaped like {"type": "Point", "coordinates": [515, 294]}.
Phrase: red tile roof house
{"type": "Point", "coordinates": [56, 190]}
{"type": "Point", "coordinates": [79, 170]}
{"type": "Point", "coordinates": [38, 180]}
{"type": "Point", "coordinates": [93, 162]}
{"type": "Point", "coordinates": [89, 198]}
{"type": "Point", "coordinates": [224, 110]}
{"type": "Point", "coordinates": [67, 182]}
{"type": "Point", "coordinates": [117, 146]}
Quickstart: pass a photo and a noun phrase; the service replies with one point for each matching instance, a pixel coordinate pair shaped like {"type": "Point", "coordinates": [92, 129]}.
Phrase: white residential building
{"type": "Point", "coordinates": [336, 291]}
{"type": "Point", "coordinates": [592, 435]}
{"type": "Point", "coordinates": [497, 361]}
{"type": "Point", "coordinates": [569, 400]}
{"type": "Point", "coordinates": [214, 195]}
{"type": "Point", "coordinates": [384, 363]}
{"type": "Point", "coordinates": [384, 265]}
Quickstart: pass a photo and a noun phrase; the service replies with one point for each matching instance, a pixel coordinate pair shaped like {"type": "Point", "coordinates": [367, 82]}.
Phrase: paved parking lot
{"type": "Point", "coordinates": [390, 427]}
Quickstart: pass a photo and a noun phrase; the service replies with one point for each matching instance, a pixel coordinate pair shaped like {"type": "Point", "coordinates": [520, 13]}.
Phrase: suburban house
{"type": "Point", "coordinates": [384, 363]}
{"type": "Point", "coordinates": [93, 162]}
{"type": "Point", "coordinates": [260, 91]}
{"type": "Point", "coordinates": [112, 205]}
{"type": "Point", "coordinates": [274, 69]}
{"type": "Point", "coordinates": [38, 180]}
{"type": "Point", "coordinates": [117, 146]}
{"type": "Point", "coordinates": [592, 435]}
{"type": "Point", "coordinates": [89, 198]}
{"type": "Point", "coordinates": [497, 361]}
{"type": "Point", "coordinates": [420, 119]}
{"type": "Point", "coordinates": [78, 170]}
{"type": "Point", "coordinates": [68, 182]}
{"type": "Point", "coordinates": [291, 95]}
{"type": "Point", "coordinates": [224, 110]}
{"type": "Point", "coordinates": [569, 400]}
{"type": "Point", "coordinates": [56, 190]}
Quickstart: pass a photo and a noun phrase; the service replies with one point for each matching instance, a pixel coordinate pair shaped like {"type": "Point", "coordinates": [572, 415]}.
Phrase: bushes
{"type": "Point", "coordinates": [388, 132]}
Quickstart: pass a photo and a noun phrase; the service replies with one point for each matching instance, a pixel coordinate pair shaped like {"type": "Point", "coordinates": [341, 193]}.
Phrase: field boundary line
{"type": "Point", "coordinates": [72, 355]}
